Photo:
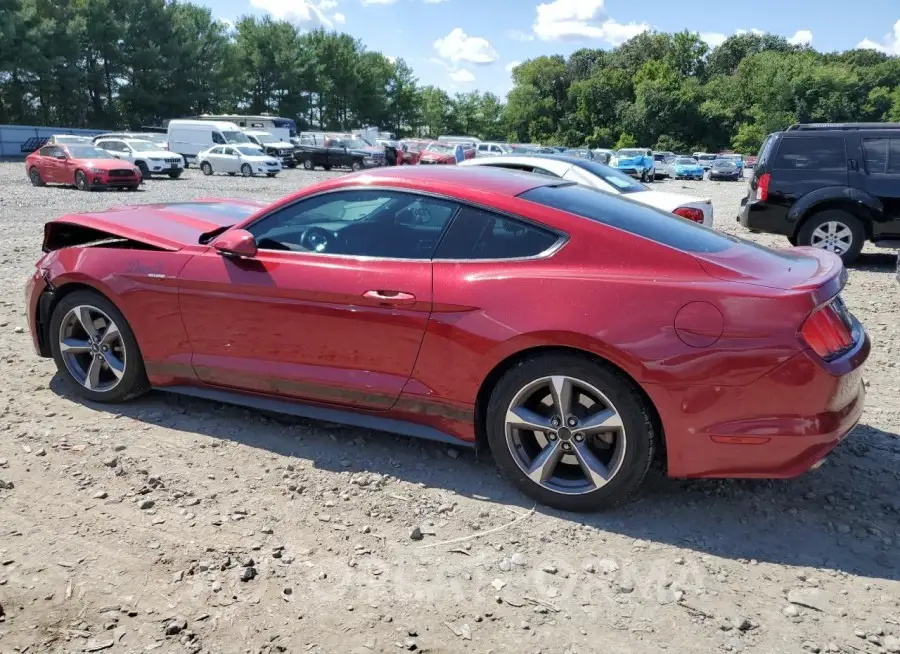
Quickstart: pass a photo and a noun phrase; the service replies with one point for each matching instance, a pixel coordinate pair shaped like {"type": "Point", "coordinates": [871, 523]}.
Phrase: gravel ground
{"type": "Point", "coordinates": [178, 525]}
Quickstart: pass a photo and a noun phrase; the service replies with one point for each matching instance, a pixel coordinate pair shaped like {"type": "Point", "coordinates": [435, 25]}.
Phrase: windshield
{"type": "Point", "coordinates": [249, 151]}
{"type": "Point", "coordinates": [685, 161]}
{"type": "Point", "coordinates": [723, 160]}
{"type": "Point", "coordinates": [706, 157]}
{"type": "Point", "coordinates": [265, 137]}
{"type": "Point", "coordinates": [630, 153]}
{"type": "Point", "coordinates": [142, 146]}
{"type": "Point", "coordinates": [618, 180]}
{"type": "Point", "coordinates": [235, 137]}
{"type": "Point", "coordinates": [732, 157]}
{"type": "Point", "coordinates": [88, 152]}
{"type": "Point", "coordinates": [440, 147]}
{"type": "Point", "coordinates": [357, 144]}
{"type": "Point", "coordinates": [72, 139]}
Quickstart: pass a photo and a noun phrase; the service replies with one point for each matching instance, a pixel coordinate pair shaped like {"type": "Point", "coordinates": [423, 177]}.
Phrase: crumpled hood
{"type": "Point", "coordinates": [168, 226]}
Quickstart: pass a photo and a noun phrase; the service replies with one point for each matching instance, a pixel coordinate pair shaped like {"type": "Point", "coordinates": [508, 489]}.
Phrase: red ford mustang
{"type": "Point", "coordinates": [575, 334]}
{"type": "Point", "coordinates": [84, 166]}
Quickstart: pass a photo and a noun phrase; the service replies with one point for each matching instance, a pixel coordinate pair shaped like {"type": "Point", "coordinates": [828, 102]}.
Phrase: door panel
{"type": "Point", "coordinates": [804, 163]}
{"type": "Point", "coordinates": [307, 326]}
{"type": "Point", "coordinates": [879, 176]}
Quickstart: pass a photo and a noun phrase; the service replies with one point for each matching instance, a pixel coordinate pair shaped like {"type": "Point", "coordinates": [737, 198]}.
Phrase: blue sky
{"type": "Point", "coordinates": [462, 45]}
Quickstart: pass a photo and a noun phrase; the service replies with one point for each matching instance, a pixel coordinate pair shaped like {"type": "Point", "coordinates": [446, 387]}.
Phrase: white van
{"type": "Point", "coordinates": [190, 137]}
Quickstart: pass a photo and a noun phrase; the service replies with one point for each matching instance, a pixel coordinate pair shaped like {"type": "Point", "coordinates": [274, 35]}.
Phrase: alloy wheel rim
{"type": "Point", "coordinates": [832, 236]}
{"type": "Point", "coordinates": [92, 348]}
{"type": "Point", "coordinates": [35, 175]}
{"type": "Point", "coordinates": [246, 170]}
{"type": "Point", "coordinates": [565, 435]}
{"type": "Point", "coordinates": [81, 180]}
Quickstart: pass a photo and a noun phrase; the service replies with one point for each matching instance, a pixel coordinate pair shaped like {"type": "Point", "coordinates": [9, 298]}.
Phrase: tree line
{"type": "Point", "coordinates": [128, 63]}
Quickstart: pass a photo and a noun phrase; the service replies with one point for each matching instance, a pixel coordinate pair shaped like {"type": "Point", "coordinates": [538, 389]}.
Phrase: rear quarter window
{"type": "Point", "coordinates": [631, 217]}
{"type": "Point", "coordinates": [817, 153]}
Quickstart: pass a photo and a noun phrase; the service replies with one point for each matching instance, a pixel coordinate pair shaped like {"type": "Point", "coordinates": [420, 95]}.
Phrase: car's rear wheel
{"type": "Point", "coordinates": [308, 164]}
{"type": "Point", "coordinates": [570, 432]}
{"type": "Point", "coordinates": [356, 166]}
{"type": "Point", "coordinates": [246, 170]}
{"type": "Point", "coordinates": [206, 167]}
{"type": "Point", "coordinates": [35, 176]}
{"type": "Point", "coordinates": [95, 350]}
{"type": "Point", "coordinates": [327, 167]}
{"type": "Point", "coordinates": [81, 181]}
{"type": "Point", "coordinates": [835, 231]}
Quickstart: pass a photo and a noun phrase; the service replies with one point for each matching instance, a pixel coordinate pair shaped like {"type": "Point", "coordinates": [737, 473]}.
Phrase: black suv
{"type": "Point", "coordinates": [831, 186]}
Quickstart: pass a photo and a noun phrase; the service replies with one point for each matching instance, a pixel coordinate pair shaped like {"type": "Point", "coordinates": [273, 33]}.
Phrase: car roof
{"type": "Point", "coordinates": [493, 180]}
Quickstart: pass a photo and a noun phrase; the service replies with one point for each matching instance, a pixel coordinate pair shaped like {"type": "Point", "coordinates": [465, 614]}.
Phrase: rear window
{"type": "Point", "coordinates": [631, 217]}
{"type": "Point", "coordinates": [819, 153]}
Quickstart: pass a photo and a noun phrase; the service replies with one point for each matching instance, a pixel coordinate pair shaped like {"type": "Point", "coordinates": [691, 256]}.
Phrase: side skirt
{"type": "Point", "coordinates": [337, 416]}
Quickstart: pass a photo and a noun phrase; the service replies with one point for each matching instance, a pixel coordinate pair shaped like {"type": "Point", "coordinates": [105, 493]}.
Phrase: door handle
{"type": "Point", "coordinates": [390, 297]}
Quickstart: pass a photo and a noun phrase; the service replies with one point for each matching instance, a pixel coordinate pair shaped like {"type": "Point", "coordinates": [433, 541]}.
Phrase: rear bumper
{"type": "Point", "coordinates": [779, 426]}
{"type": "Point", "coordinates": [763, 217]}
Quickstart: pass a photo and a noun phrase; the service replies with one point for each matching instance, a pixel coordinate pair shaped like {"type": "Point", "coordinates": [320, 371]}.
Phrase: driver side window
{"type": "Point", "coordinates": [363, 223]}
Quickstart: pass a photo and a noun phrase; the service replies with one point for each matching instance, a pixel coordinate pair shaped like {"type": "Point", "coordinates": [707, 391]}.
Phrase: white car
{"type": "Point", "coordinates": [150, 158]}
{"type": "Point", "coordinates": [665, 164]}
{"type": "Point", "coordinates": [68, 139]}
{"type": "Point", "coordinates": [247, 160]}
{"type": "Point", "coordinates": [493, 149]}
{"type": "Point", "coordinates": [602, 177]}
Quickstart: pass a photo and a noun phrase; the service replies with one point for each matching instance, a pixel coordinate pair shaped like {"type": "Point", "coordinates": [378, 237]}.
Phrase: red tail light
{"type": "Point", "coordinates": [828, 330]}
{"type": "Point", "coordinates": [690, 213]}
{"type": "Point", "coordinates": [762, 187]}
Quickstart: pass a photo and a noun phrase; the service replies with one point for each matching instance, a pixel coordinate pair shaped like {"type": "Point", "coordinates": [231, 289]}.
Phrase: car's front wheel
{"type": "Point", "coordinates": [81, 181]}
{"type": "Point", "coordinates": [836, 231]}
{"type": "Point", "coordinates": [95, 350]}
{"type": "Point", "coordinates": [206, 167]}
{"type": "Point", "coordinates": [246, 170]}
{"type": "Point", "coordinates": [308, 164]}
{"type": "Point", "coordinates": [570, 432]}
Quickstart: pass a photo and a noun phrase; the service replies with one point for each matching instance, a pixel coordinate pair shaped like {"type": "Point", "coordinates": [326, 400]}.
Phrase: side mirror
{"type": "Point", "coordinates": [236, 243]}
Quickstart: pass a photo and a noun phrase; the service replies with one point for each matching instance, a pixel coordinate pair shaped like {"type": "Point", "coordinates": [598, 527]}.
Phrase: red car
{"type": "Point", "coordinates": [85, 166]}
{"type": "Point", "coordinates": [438, 153]}
{"type": "Point", "coordinates": [409, 152]}
{"type": "Point", "coordinates": [576, 334]}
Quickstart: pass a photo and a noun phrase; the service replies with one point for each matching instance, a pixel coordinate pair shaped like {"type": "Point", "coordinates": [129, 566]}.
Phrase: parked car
{"type": "Point", "coordinates": [705, 160]}
{"type": "Point", "coordinates": [609, 180]}
{"type": "Point", "coordinates": [637, 162]}
{"type": "Point", "coordinates": [191, 137]}
{"type": "Point", "coordinates": [603, 155]}
{"type": "Point", "coordinates": [439, 153]}
{"type": "Point", "coordinates": [274, 147]}
{"type": "Point", "coordinates": [409, 152]}
{"type": "Point", "coordinates": [336, 152]}
{"type": "Point", "coordinates": [248, 160]}
{"type": "Point", "coordinates": [663, 165]}
{"type": "Point", "coordinates": [488, 149]}
{"type": "Point", "coordinates": [581, 153]}
{"type": "Point", "coordinates": [831, 186]}
{"type": "Point", "coordinates": [684, 343]}
{"type": "Point", "coordinates": [68, 139]}
{"type": "Point", "coordinates": [726, 167]}
{"type": "Point", "coordinates": [82, 165]}
{"type": "Point", "coordinates": [147, 156]}
{"type": "Point", "coordinates": [687, 168]}
{"type": "Point", "coordinates": [154, 137]}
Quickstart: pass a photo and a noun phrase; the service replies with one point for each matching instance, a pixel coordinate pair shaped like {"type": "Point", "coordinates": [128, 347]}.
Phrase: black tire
{"type": "Point", "coordinates": [309, 165]}
{"type": "Point", "coordinates": [82, 183]}
{"type": "Point", "coordinates": [246, 170]}
{"type": "Point", "coordinates": [327, 167]}
{"type": "Point", "coordinates": [134, 380]}
{"type": "Point", "coordinates": [293, 164]}
{"type": "Point", "coordinates": [356, 166]}
{"type": "Point", "coordinates": [640, 447]}
{"type": "Point", "coordinates": [271, 174]}
{"type": "Point", "coordinates": [805, 235]}
{"type": "Point", "coordinates": [145, 172]}
{"type": "Point", "coordinates": [35, 176]}
{"type": "Point", "coordinates": [644, 176]}
{"type": "Point", "coordinates": [174, 174]}
{"type": "Point", "coordinates": [207, 168]}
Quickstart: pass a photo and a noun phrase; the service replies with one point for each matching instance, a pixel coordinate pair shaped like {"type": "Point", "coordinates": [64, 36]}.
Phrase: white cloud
{"type": "Point", "coordinates": [511, 65]}
{"type": "Point", "coordinates": [309, 13]}
{"type": "Point", "coordinates": [228, 23]}
{"type": "Point", "coordinates": [890, 45]}
{"type": "Point", "coordinates": [462, 76]}
{"type": "Point", "coordinates": [458, 46]}
{"type": "Point", "coordinates": [801, 37]}
{"type": "Point", "coordinates": [713, 39]}
{"type": "Point", "coordinates": [391, 58]}
{"type": "Point", "coordinates": [752, 30]}
{"type": "Point", "coordinates": [580, 20]}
